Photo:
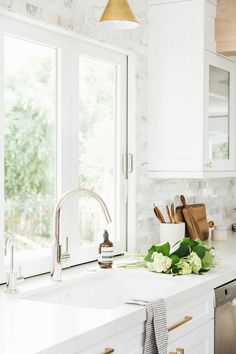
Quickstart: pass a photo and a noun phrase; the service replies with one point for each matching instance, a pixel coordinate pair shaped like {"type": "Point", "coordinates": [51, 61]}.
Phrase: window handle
{"type": "Point", "coordinates": [130, 163]}
{"type": "Point", "coordinates": [127, 163]}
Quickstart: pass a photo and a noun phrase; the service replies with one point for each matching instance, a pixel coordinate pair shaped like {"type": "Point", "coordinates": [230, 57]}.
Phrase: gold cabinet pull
{"type": "Point", "coordinates": [109, 350]}
{"type": "Point", "coordinates": [173, 353]}
{"type": "Point", "coordinates": [180, 350]}
{"type": "Point", "coordinates": [180, 323]}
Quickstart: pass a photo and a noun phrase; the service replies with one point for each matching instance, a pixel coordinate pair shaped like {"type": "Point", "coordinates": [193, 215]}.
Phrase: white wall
{"type": "Point", "coordinates": [81, 16]}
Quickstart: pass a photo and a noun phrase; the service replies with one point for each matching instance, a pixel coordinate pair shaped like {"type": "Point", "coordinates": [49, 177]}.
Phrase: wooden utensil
{"type": "Point", "coordinates": [183, 200]}
{"type": "Point", "coordinates": [169, 214]}
{"type": "Point", "coordinates": [159, 214]}
{"type": "Point", "coordinates": [176, 218]}
{"type": "Point", "coordinates": [195, 222]}
{"type": "Point", "coordinates": [172, 209]}
{"type": "Point", "coordinates": [189, 222]}
{"type": "Point", "coordinates": [193, 227]}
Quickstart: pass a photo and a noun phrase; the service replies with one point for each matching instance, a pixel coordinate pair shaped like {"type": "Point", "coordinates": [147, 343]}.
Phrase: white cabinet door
{"type": "Point", "coordinates": [219, 113]}
{"type": "Point", "coordinates": [130, 341]}
{"type": "Point", "coordinates": [191, 94]}
{"type": "Point", "coordinates": [199, 341]}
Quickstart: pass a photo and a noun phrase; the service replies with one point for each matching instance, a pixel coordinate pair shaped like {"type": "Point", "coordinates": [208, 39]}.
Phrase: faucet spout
{"type": "Point", "coordinates": [57, 255]}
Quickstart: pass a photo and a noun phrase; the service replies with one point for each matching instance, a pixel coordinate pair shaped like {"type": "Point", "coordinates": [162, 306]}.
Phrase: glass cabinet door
{"type": "Point", "coordinates": [218, 129]}
{"type": "Point", "coordinates": [219, 124]}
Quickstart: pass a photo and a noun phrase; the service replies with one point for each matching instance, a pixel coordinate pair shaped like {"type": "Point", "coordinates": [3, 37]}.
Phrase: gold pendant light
{"type": "Point", "coordinates": [118, 15]}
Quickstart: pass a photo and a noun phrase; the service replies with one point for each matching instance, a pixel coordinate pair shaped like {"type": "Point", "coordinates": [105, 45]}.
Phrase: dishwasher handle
{"type": "Point", "coordinates": [226, 293]}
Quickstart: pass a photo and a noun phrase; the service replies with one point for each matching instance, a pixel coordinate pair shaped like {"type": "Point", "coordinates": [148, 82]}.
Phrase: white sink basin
{"type": "Point", "coordinates": [106, 289]}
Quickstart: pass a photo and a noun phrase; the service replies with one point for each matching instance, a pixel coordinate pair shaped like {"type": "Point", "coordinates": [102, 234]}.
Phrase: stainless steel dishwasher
{"type": "Point", "coordinates": [225, 319]}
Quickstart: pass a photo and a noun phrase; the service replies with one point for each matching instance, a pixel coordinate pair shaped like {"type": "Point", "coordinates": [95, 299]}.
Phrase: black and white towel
{"type": "Point", "coordinates": [156, 332]}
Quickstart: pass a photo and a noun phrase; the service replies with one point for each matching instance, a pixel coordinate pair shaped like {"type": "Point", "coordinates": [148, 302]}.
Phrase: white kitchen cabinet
{"type": "Point", "coordinates": [219, 113]}
{"type": "Point", "coordinates": [199, 341]}
{"type": "Point", "coordinates": [191, 93]}
{"type": "Point", "coordinates": [191, 328]}
{"type": "Point", "coordinates": [129, 342]}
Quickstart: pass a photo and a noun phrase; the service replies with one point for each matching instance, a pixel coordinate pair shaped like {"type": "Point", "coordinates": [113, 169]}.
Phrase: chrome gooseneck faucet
{"type": "Point", "coordinates": [58, 256]}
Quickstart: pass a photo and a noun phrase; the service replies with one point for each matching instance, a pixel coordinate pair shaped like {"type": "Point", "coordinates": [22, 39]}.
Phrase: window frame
{"type": "Point", "coordinates": [64, 41]}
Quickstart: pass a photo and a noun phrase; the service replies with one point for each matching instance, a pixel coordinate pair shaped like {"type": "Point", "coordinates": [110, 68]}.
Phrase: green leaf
{"type": "Point", "coordinates": [185, 247]}
{"type": "Point", "coordinates": [175, 259]}
{"type": "Point", "coordinates": [200, 250]}
{"type": "Point", "coordinates": [163, 248]}
{"type": "Point", "coordinates": [202, 270]}
{"type": "Point", "coordinates": [188, 242]}
{"type": "Point", "coordinates": [151, 250]}
{"type": "Point", "coordinates": [182, 251]}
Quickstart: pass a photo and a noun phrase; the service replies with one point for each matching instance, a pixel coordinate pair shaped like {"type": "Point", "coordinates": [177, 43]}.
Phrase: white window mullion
{"type": "Point", "coordinates": [2, 266]}
{"type": "Point", "coordinates": [69, 146]}
{"type": "Point", "coordinates": [122, 149]}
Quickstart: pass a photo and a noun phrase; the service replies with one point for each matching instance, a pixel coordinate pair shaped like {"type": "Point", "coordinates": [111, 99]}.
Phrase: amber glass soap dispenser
{"type": "Point", "coordinates": [105, 259]}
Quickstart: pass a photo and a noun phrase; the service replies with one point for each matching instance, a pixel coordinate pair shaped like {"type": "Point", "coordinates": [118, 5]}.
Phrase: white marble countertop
{"type": "Point", "coordinates": [30, 327]}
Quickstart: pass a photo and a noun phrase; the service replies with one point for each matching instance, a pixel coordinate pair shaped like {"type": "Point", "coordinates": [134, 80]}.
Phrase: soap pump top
{"type": "Point", "coordinates": [106, 236]}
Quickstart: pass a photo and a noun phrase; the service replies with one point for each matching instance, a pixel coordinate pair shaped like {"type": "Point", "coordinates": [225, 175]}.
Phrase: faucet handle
{"type": "Point", "coordinates": [66, 255]}
{"type": "Point", "coordinates": [20, 277]}
{"type": "Point", "coordinates": [11, 287]}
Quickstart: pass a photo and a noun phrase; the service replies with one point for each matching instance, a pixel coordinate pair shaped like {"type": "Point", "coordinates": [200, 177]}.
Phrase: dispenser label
{"type": "Point", "coordinates": [106, 254]}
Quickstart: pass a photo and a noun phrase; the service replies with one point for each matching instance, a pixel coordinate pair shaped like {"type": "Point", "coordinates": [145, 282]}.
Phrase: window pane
{"type": "Point", "coordinates": [30, 95]}
{"type": "Point", "coordinates": [97, 144]}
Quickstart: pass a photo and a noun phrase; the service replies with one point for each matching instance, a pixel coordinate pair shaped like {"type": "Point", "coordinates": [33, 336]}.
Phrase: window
{"type": "Point", "coordinates": [29, 141]}
{"type": "Point", "coordinates": [65, 126]}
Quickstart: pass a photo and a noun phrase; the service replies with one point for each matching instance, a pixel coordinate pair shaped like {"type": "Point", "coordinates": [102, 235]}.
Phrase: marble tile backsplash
{"type": "Point", "coordinates": [219, 195]}
{"type": "Point", "coordinates": [81, 16]}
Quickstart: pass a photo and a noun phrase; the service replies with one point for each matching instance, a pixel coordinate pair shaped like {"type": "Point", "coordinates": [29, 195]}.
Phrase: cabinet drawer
{"type": "Point", "coordinates": [128, 342]}
{"type": "Point", "coordinates": [189, 315]}
{"type": "Point", "coordinates": [198, 341]}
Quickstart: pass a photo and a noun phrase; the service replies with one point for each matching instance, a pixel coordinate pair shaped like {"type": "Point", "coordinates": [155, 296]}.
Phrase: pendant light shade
{"type": "Point", "coordinates": [118, 15]}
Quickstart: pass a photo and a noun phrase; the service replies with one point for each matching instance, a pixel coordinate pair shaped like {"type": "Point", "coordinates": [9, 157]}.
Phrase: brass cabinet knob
{"type": "Point", "coordinates": [209, 164]}
{"type": "Point", "coordinates": [180, 350]}
{"type": "Point", "coordinates": [108, 351]}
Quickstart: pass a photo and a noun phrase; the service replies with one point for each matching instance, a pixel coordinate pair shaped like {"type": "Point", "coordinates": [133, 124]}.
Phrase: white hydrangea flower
{"type": "Point", "coordinates": [160, 263]}
{"type": "Point", "coordinates": [195, 262]}
{"type": "Point", "coordinates": [185, 267]}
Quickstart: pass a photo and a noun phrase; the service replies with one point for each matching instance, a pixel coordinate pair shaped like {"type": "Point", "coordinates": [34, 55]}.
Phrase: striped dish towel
{"type": "Point", "coordinates": [156, 332]}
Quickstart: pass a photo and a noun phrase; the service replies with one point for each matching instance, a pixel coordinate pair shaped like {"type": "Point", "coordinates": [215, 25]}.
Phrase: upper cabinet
{"type": "Point", "coordinates": [220, 115]}
{"type": "Point", "coordinates": [226, 27]}
{"type": "Point", "coordinates": [191, 93]}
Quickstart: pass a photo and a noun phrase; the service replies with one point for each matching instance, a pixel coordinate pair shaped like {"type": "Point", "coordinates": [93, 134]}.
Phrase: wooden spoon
{"type": "Point", "coordinates": [158, 214]}
{"type": "Point", "coordinates": [168, 213]}
{"type": "Point", "coordinates": [172, 208]}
